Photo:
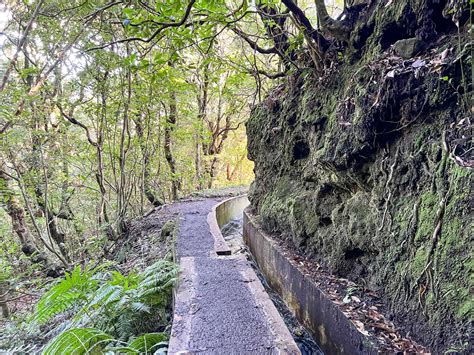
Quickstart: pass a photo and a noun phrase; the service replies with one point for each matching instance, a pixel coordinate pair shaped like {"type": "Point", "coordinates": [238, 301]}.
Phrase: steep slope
{"type": "Point", "coordinates": [367, 168]}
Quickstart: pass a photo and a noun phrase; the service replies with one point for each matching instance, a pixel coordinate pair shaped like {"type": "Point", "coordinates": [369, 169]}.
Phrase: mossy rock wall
{"type": "Point", "coordinates": [364, 167]}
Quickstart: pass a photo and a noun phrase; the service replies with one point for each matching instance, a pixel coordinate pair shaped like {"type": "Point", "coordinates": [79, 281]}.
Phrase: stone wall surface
{"type": "Point", "coordinates": [365, 168]}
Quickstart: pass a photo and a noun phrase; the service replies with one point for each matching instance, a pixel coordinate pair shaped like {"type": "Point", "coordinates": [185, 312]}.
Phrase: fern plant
{"type": "Point", "coordinates": [110, 308]}
{"type": "Point", "coordinates": [70, 292]}
{"type": "Point", "coordinates": [79, 341]}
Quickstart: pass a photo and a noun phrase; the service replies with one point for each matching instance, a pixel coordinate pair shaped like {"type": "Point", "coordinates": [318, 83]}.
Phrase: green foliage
{"type": "Point", "coordinates": [66, 294]}
{"type": "Point", "coordinates": [148, 343]}
{"type": "Point", "coordinates": [65, 137]}
{"type": "Point", "coordinates": [117, 307]}
{"type": "Point", "coordinates": [78, 341]}
{"type": "Point", "coordinates": [81, 341]}
{"type": "Point", "coordinates": [158, 280]}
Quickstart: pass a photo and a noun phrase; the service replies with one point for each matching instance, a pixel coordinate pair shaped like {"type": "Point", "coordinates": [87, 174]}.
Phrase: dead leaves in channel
{"type": "Point", "coordinates": [361, 306]}
{"type": "Point", "coordinates": [370, 322]}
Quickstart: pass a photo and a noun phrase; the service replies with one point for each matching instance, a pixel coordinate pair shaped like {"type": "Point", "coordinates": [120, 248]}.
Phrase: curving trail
{"type": "Point", "coordinates": [220, 304]}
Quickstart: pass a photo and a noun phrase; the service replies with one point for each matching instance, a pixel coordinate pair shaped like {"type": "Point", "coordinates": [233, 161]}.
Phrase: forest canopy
{"type": "Point", "coordinates": [108, 107]}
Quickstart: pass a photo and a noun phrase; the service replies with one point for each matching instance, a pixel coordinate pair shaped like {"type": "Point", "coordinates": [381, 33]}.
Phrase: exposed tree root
{"type": "Point", "coordinates": [389, 194]}
{"type": "Point", "coordinates": [438, 223]}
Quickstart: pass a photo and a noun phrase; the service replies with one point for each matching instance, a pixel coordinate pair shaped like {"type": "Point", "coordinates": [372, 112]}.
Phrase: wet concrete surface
{"type": "Point", "coordinates": [221, 306]}
{"type": "Point", "coordinates": [195, 238]}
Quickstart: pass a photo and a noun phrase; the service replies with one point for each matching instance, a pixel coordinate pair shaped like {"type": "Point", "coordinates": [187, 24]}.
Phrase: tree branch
{"type": "Point", "coordinates": [77, 123]}
{"type": "Point", "coordinates": [254, 44]}
{"type": "Point", "coordinates": [164, 25]}
{"type": "Point", "coordinates": [20, 45]}
{"type": "Point", "coordinates": [271, 75]}
{"type": "Point", "coordinates": [333, 27]}
{"type": "Point", "coordinates": [301, 17]}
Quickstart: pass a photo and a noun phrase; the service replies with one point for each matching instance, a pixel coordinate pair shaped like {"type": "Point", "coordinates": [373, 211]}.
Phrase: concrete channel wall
{"type": "Point", "coordinates": [222, 214]}
{"type": "Point", "coordinates": [333, 331]}
{"type": "Point", "coordinates": [231, 209]}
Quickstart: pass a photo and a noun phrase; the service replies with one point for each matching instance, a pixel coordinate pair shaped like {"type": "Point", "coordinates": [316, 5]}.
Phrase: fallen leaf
{"type": "Point", "coordinates": [375, 315]}
{"type": "Point", "coordinates": [445, 53]}
{"type": "Point", "coordinates": [360, 327]}
{"type": "Point", "coordinates": [384, 327]}
{"type": "Point", "coordinates": [418, 63]}
{"type": "Point", "coordinates": [390, 74]}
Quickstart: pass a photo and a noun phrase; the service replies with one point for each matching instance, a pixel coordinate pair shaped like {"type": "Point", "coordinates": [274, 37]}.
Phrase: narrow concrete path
{"type": "Point", "coordinates": [220, 305]}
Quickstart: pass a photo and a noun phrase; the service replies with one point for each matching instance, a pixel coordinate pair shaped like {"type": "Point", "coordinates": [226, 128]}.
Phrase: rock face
{"type": "Point", "coordinates": [366, 167]}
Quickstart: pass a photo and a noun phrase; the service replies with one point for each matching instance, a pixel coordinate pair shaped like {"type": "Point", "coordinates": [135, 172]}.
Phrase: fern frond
{"type": "Point", "coordinates": [122, 350]}
{"type": "Point", "coordinates": [69, 292]}
{"type": "Point", "coordinates": [140, 307]}
{"type": "Point", "coordinates": [149, 343]}
{"type": "Point", "coordinates": [107, 294]}
{"type": "Point", "coordinates": [160, 268]}
{"type": "Point", "coordinates": [78, 341]}
{"type": "Point", "coordinates": [157, 283]}
{"type": "Point", "coordinates": [116, 306]}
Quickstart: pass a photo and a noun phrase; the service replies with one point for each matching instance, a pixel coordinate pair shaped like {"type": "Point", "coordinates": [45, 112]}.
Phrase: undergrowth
{"type": "Point", "coordinates": [102, 311]}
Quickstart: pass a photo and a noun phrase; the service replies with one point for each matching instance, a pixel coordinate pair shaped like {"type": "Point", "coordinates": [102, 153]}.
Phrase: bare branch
{"type": "Point", "coordinates": [77, 123]}
{"type": "Point", "coordinates": [91, 16]}
{"type": "Point", "coordinates": [271, 75]}
{"type": "Point", "coordinates": [333, 27]}
{"type": "Point", "coordinates": [304, 21]}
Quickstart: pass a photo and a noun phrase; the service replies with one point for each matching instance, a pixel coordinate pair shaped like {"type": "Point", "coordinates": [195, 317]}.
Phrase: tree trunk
{"type": "Point", "coordinates": [102, 213]}
{"type": "Point", "coordinates": [147, 189]}
{"type": "Point", "coordinates": [3, 298]}
{"type": "Point", "coordinates": [122, 191]}
{"type": "Point", "coordinates": [212, 171]}
{"type": "Point", "coordinates": [41, 195]}
{"type": "Point", "coordinates": [19, 226]}
{"type": "Point", "coordinates": [202, 99]}
{"type": "Point", "coordinates": [169, 129]}
{"type": "Point", "coordinates": [39, 180]}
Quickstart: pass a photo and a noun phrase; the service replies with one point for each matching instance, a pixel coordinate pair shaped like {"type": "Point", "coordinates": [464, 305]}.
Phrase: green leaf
{"type": "Point", "coordinates": [69, 292]}
{"type": "Point", "coordinates": [148, 343]}
{"type": "Point", "coordinates": [78, 341]}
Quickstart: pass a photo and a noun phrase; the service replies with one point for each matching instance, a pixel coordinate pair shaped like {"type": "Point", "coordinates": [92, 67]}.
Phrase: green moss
{"type": "Point", "coordinates": [458, 171]}
{"type": "Point", "coordinates": [465, 309]}
{"type": "Point", "coordinates": [168, 229]}
{"type": "Point", "coordinates": [426, 216]}
{"type": "Point", "coordinates": [421, 138]}
{"type": "Point", "coordinates": [460, 183]}
{"type": "Point", "coordinates": [350, 214]}
{"type": "Point", "coordinates": [303, 219]}
{"type": "Point", "coordinates": [456, 299]}
{"type": "Point", "coordinates": [403, 215]}
{"type": "Point", "coordinates": [276, 206]}
{"type": "Point", "coordinates": [451, 232]}
{"type": "Point", "coordinates": [418, 263]}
